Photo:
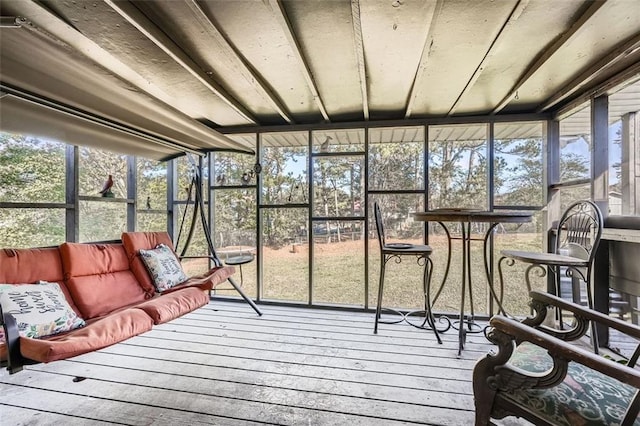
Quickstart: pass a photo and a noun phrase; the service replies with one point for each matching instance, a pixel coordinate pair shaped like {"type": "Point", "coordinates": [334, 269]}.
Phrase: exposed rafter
{"type": "Point", "coordinates": [622, 51]}
{"type": "Point", "coordinates": [95, 119]}
{"type": "Point", "coordinates": [628, 75]}
{"type": "Point", "coordinates": [549, 52]}
{"type": "Point", "coordinates": [65, 32]}
{"type": "Point", "coordinates": [240, 64]}
{"type": "Point", "coordinates": [47, 22]}
{"type": "Point", "coordinates": [160, 39]}
{"type": "Point", "coordinates": [424, 57]}
{"type": "Point", "coordinates": [359, 47]}
{"type": "Point", "coordinates": [513, 17]}
{"type": "Point", "coordinates": [281, 17]}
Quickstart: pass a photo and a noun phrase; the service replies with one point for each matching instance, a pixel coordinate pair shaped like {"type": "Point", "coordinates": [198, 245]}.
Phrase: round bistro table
{"type": "Point", "coordinates": [466, 217]}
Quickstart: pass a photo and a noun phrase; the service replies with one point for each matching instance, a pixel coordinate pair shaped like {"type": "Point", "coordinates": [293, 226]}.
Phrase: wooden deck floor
{"type": "Point", "coordinates": [224, 365]}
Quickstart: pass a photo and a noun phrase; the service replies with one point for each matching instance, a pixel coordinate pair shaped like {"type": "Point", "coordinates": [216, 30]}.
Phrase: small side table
{"type": "Point", "coordinates": [239, 260]}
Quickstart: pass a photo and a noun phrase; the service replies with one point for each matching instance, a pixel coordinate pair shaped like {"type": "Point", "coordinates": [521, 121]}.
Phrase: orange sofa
{"type": "Point", "coordinates": [107, 285]}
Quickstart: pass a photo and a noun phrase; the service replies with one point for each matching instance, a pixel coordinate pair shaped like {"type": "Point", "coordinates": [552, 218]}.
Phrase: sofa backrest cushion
{"type": "Point", "coordinates": [18, 266]}
{"type": "Point", "coordinates": [133, 242]}
{"type": "Point", "coordinates": [99, 279]}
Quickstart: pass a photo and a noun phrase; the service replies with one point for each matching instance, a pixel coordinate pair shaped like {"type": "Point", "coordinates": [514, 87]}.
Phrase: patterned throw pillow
{"type": "Point", "coordinates": [163, 266]}
{"type": "Point", "coordinates": [39, 309]}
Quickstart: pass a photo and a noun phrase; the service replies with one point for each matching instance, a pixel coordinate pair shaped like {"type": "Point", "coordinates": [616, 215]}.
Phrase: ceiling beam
{"type": "Point", "coordinates": [95, 119]}
{"type": "Point", "coordinates": [359, 47]}
{"type": "Point", "coordinates": [549, 52]}
{"type": "Point", "coordinates": [360, 125]}
{"type": "Point", "coordinates": [136, 18]}
{"type": "Point", "coordinates": [50, 25]}
{"type": "Point", "coordinates": [424, 58]}
{"type": "Point", "coordinates": [626, 76]}
{"type": "Point", "coordinates": [240, 65]}
{"type": "Point", "coordinates": [620, 52]}
{"type": "Point", "coordinates": [281, 17]}
{"type": "Point", "coordinates": [513, 17]}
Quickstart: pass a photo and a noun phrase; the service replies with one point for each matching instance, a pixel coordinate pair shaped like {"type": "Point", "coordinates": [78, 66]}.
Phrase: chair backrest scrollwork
{"type": "Point", "coordinates": [579, 230]}
{"type": "Point", "coordinates": [379, 224]}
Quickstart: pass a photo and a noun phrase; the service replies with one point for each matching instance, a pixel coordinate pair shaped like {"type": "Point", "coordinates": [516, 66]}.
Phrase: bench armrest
{"type": "Point", "coordinates": [589, 314]}
{"type": "Point", "coordinates": [506, 331]}
{"type": "Point", "coordinates": [15, 361]}
{"type": "Point", "coordinates": [494, 374]}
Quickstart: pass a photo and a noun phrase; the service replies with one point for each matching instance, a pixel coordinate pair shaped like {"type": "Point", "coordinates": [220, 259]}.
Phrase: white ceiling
{"type": "Point", "coordinates": [179, 70]}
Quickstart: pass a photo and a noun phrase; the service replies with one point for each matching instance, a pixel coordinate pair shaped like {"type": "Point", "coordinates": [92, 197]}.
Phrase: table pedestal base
{"type": "Point", "coordinates": [426, 320]}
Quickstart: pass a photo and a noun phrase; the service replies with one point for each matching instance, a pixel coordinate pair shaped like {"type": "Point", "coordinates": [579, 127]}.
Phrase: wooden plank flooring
{"type": "Point", "coordinates": [222, 364]}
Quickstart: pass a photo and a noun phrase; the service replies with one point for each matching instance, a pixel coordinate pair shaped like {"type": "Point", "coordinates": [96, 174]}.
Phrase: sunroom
{"type": "Point", "coordinates": [286, 122]}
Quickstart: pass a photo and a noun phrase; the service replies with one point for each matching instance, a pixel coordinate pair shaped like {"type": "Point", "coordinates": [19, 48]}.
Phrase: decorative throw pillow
{"type": "Point", "coordinates": [39, 309]}
{"type": "Point", "coordinates": [163, 266]}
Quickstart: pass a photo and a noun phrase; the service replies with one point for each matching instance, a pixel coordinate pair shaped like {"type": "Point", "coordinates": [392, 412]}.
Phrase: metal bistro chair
{"type": "Point", "coordinates": [579, 232]}
{"type": "Point", "coordinates": [396, 251]}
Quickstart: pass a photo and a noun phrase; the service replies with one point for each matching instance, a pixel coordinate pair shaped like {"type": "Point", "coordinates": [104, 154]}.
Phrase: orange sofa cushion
{"type": "Point", "coordinates": [99, 279]}
{"type": "Point", "coordinates": [170, 306]}
{"type": "Point", "coordinates": [207, 281]}
{"type": "Point", "coordinates": [28, 266]}
{"type": "Point", "coordinates": [99, 334]}
{"type": "Point", "coordinates": [133, 242]}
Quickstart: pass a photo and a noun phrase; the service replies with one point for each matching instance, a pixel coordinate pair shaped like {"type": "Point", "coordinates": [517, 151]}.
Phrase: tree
{"type": "Point", "coordinates": [458, 174]}
{"type": "Point", "coordinates": [519, 180]}
{"type": "Point", "coordinates": [31, 170]}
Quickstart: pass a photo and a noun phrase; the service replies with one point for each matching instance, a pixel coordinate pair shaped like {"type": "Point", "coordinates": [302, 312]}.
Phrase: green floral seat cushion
{"type": "Point", "coordinates": [585, 397]}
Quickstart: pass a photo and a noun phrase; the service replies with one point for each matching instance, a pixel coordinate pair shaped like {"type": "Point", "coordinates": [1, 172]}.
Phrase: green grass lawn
{"type": "Point", "coordinates": [339, 275]}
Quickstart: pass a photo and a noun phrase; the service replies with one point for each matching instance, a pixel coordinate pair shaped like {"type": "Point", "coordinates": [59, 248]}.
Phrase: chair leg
{"type": "Point", "coordinates": [428, 309]}
{"type": "Point", "coordinates": [380, 290]}
{"type": "Point", "coordinates": [558, 289]}
{"type": "Point", "coordinates": [594, 333]}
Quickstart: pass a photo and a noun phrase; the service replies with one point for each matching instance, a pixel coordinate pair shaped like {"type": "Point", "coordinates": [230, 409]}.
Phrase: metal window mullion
{"type": "Point", "coordinates": [72, 214]}
{"type": "Point", "coordinates": [630, 173]}
{"type": "Point", "coordinates": [491, 200]}
{"type": "Point", "coordinates": [396, 191]}
{"type": "Point", "coordinates": [425, 174]}
{"type": "Point", "coordinates": [491, 166]}
{"type": "Point", "coordinates": [552, 169]}
{"type": "Point", "coordinates": [600, 152]}
{"type": "Point", "coordinates": [132, 191]}
{"type": "Point", "coordinates": [310, 213]}
{"type": "Point", "coordinates": [259, 239]}
{"type": "Point", "coordinates": [600, 192]}
{"type": "Point", "coordinates": [212, 197]}
{"type": "Point", "coordinates": [172, 186]}
{"type": "Point", "coordinates": [365, 202]}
